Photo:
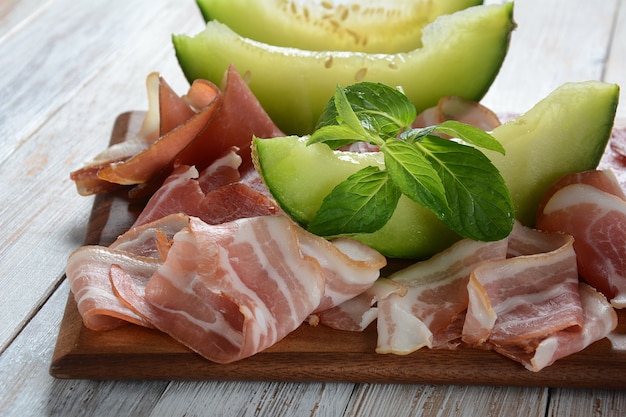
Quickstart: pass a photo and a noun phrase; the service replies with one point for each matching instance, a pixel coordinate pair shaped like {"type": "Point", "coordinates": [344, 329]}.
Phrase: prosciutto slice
{"type": "Point", "coordinates": [599, 319]}
{"type": "Point", "coordinates": [137, 253]}
{"type": "Point", "coordinates": [215, 195]}
{"type": "Point", "coordinates": [88, 271]}
{"type": "Point", "coordinates": [436, 297]}
{"type": "Point", "coordinates": [518, 299]}
{"type": "Point", "coordinates": [191, 130]}
{"type": "Point", "coordinates": [349, 267]}
{"type": "Point", "coordinates": [596, 217]}
{"type": "Point", "coordinates": [228, 291]}
{"type": "Point", "coordinates": [360, 311]}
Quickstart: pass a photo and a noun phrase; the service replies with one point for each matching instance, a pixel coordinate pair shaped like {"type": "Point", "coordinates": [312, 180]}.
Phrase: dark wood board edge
{"type": "Point", "coordinates": [308, 354]}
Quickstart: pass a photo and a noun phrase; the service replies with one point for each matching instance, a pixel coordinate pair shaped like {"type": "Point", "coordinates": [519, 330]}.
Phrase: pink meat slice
{"type": "Point", "coordinates": [215, 195]}
{"type": "Point", "coordinates": [525, 297]}
{"type": "Point", "coordinates": [436, 297]}
{"type": "Point", "coordinates": [229, 291]}
{"type": "Point", "coordinates": [88, 270]}
{"type": "Point", "coordinates": [599, 320]}
{"type": "Point", "coordinates": [349, 266]}
{"type": "Point", "coordinates": [360, 311]}
{"type": "Point", "coordinates": [597, 221]}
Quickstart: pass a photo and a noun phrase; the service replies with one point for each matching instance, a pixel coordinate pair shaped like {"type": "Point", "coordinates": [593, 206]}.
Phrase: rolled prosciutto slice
{"type": "Point", "coordinates": [595, 215]}
{"type": "Point", "coordinates": [229, 291]}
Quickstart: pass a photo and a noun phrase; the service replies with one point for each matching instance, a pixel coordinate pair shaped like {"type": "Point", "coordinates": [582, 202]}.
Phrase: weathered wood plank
{"type": "Point", "coordinates": [615, 71]}
{"type": "Point", "coordinates": [555, 42]}
{"type": "Point", "coordinates": [38, 75]}
{"type": "Point", "coordinates": [254, 399]}
{"type": "Point", "coordinates": [587, 403]}
{"type": "Point", "coordinates": [16, 14]}
{"type": "Point", "coordinates": [26, 389]}
{"type": "Point", "coordinates": [441, 401]}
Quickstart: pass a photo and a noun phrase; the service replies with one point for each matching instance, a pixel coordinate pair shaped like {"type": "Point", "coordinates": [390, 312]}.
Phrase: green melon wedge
{"type": "Point", "coordinates": [373, 26]}
{"type": "Point", "coordinates": [566, 132]}
{"type": "Point", "coordinates": [461, 55]}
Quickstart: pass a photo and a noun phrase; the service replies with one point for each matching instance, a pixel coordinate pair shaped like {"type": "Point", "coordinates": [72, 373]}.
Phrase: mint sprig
{"type": "Point", "coordinates": [452, 178]}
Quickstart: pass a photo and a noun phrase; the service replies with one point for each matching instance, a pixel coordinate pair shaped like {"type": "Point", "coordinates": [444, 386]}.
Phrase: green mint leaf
{"type": "Point", "coordinates": [345, 114]}
{"type": "Point", "coordinates": [470, 134]}
{"type": "Point", "coordinates": [381, 109]}
{"type": "Point", "coordinates": [416, 134]}
{"type": "Point", "coordinates": [415, 176]}
{"type": "Point", "coordinates": [335, 136]}
{"type": "Point", "coordinates": [363, 203]}
{"type": "Point", "coordinates": [479, 201]}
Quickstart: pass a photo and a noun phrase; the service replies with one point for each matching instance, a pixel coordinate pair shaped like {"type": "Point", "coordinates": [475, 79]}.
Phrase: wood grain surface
{"type": "Point", "coordinates": [307, 354]}
{"type": "Point", "coordinates": [68, 68]}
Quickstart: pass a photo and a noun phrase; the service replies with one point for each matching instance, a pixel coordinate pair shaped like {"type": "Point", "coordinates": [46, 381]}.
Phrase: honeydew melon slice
{"type": "Point", "coordinates": [461, 55]}
{"type": "Point", "coordinates": [373, 26]}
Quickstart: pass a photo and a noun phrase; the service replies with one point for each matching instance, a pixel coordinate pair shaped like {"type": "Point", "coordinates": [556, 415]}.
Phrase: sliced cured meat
{"type": "Point", "coordinates": [349, 267]}
{"type": "Point", "coordinates": [88, 270]}
{"type": "Point", "coordinates": [184, 189]}
{"type": "Point", "coordinates": [214, 196]}
{"type": "Point", "coordinates": [141, 167]}
{"type": "Point", "coordinates": [436, 297]}
{"type": "Point", "coordinates": [528, 241]}
{"type": "Point", "coordinates": [173, 109]}
{"type": "Point", "coordinates": [360, 311]}
{"type": "Point", "coordinates": [86, 178]}
{"type": "Point", "coordinates": [518, 299]}
{"type": "Point", "coordinates": [598, 321]}
{"type": "Point", "coordinates": [235, 201]}
{"type": "Point", "coordinates": [614, 157]}
{"type": "Point", "coordinates": [240, 117]}
{"type": "Point", "coordinates": [151, 239]}
{"type": "Point", "coordinates": [193, 130]}
{"type": "Point", "coordinates": [228, 291]}
{"type": "Point", "coordinates": [597, 220]}
{"type": "Point", "coordinates": [604, 180]}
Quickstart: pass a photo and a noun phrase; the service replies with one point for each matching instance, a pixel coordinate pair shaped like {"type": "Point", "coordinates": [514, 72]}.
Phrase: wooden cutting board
{"type": "Point", "coordinates": [309, 353]}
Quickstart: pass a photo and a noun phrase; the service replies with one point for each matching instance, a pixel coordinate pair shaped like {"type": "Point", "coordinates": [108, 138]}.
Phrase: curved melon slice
{"type": "Point", "coordinates": [372, 26]}
{"type": "Point", "coordinates": [461, 56]}
{"type": "Point", "coordinates": [566, 132]}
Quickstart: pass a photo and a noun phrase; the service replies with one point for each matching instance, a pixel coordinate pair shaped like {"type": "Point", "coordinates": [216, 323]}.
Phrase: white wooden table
{"type": "Point", "coordinates": [67, 68]}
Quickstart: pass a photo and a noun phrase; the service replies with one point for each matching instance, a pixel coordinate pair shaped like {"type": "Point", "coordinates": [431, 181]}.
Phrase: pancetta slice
{"type": "Point", "coordinates": [151, 239]}
{"type": "Point", "coordinates": [518, 299]}
{"type": "Point", "coordinates": [229, 291]}
{"type": "Point", "coordinates": [88, 272]}
{"type": "Point", "coordinates": [349, 266]}
{"type": "Point", "coordinates": [360, 311]}
{"type": "Point", "coordinates": [598, 321]}
{"type": "Point", "coordinates": [597, 220]}
{"type": "Point", "coordinates": [436, 297]}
